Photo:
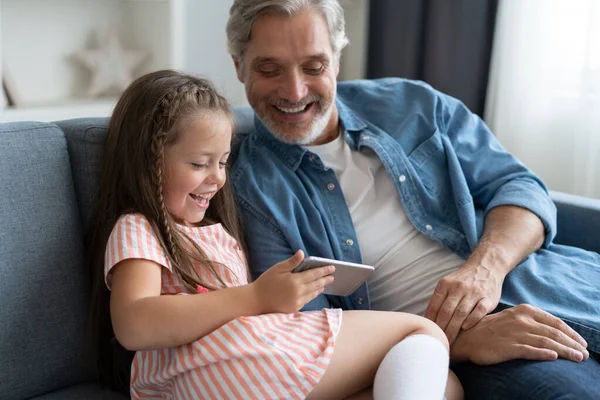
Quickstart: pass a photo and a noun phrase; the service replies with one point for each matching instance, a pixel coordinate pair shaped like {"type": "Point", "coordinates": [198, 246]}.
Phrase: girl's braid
{"type": "Point", "coordinates": [168, 110]}
{"type": "Point", "coordinates": [158, 146]}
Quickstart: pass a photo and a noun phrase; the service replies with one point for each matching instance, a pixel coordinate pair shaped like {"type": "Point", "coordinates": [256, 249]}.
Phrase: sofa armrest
{"type": "Point", "coordinates": [578, 221]}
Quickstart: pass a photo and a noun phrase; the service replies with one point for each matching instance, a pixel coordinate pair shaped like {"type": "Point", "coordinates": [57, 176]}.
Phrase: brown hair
{"type": "Point", "coordinates": [145, 120]}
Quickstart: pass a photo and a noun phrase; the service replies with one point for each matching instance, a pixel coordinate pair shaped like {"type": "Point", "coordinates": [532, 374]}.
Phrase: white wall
{"type": "Point", "coordinates": [206, 52]}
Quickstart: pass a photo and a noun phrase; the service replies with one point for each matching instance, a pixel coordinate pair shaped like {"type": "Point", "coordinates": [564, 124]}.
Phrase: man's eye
{"type": "Point", "coordinates": [268, 70]}
{"type": "Point", "coordinates": [199, 166]}
{"type": "Point", "coordinates": [314, 71]}
{"type": "Point", "coordinates": [268, 73]}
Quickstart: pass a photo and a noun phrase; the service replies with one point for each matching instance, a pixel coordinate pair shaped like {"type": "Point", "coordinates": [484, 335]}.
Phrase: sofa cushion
{"type": "Point", "coordinates": [85, 138]}
{"type": "Point", "coordinates": [44, 286]}
{"type": "Point", "coordinates": [84, 391]}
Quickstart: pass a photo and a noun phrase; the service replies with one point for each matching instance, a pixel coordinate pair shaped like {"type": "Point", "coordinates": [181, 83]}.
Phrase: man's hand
{"type": "Point", "coordinates": [464, 297]}
{"type": "Point", "coordinates": [521, 332]}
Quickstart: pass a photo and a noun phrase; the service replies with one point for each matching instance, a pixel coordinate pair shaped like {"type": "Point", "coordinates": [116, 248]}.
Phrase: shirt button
{"type": "Point", "coordinates": [360, 300]}
{"type": "Point", "coordinates": [402, 178]}
{"type": "Point", "coordinates": [429, 227]}
{"type": "Point", "coordinates": [331, 186]}
{"type": "Point", "coordinates": [349, 242]}
{"type": "Point", "coordinates": [311, 158]}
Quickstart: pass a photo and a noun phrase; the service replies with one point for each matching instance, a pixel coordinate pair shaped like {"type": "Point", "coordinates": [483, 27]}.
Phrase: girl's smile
{"type": "Point", "coordinates": [195, 166]}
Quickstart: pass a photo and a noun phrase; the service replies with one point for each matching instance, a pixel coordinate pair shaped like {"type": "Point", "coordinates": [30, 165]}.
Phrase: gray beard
{"type": "Point", "coordinates": [316, 129]}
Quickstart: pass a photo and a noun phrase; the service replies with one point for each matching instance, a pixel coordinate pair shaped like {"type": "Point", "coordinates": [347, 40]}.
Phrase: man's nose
{"type": "Point", "coordinates": [293, 87]}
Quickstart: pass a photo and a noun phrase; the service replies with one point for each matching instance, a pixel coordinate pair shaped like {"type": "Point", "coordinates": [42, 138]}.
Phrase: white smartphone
{"type": "Point", "coordinates": [346, 278]}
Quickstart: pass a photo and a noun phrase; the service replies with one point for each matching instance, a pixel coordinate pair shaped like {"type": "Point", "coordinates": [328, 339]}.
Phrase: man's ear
{"type": "Point", "coordinates": [338, 59]}
{"type": "Point", "coordinates": [238, 69]}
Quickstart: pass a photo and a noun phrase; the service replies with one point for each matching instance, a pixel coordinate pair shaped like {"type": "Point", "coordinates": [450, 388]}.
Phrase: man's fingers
{"type": "Point", "coordinates": [566, 352]}
{"type": "Point", "coordinates": [545, 318]}
{"type": "Point", "coordinates": [447, 310]}
{"type": "Point", "coordinates": [527, 352]}
{"type": "Point", "coordinates": [562, 339]}
{"type": "Point", "coordinates": [436, 301]}
{"type": "Point", "coordinates": [482, 309]}
{"type": "Point", "coordinates": [462, 311]}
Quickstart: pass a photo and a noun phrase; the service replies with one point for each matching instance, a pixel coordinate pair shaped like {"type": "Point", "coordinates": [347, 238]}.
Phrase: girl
{"type": "Point", "coordinates": [166, 241]}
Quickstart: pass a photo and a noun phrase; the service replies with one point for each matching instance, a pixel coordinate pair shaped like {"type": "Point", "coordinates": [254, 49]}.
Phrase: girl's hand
{"type": "Point", "coordinates": [279, 290]}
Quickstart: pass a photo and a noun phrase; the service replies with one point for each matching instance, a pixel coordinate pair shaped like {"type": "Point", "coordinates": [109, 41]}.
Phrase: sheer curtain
{"type": "Point", "coordinates": [544, 93]}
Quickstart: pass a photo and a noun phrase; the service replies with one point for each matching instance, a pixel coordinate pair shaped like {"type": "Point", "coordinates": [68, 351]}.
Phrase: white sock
{"type": "Point", "coordinates": [414, 369]}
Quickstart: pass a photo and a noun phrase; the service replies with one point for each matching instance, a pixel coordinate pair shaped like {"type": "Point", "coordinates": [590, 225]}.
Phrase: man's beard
{"type": "Point", "coordinates": [311, 134]}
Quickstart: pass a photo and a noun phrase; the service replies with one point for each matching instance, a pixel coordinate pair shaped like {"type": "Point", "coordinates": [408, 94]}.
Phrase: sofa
{"type": "Point", "coordinates": [48, 174]}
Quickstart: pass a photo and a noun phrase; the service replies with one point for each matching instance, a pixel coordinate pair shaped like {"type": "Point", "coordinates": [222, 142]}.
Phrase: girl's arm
{"type": "Point", "coordinates": [143, 319]}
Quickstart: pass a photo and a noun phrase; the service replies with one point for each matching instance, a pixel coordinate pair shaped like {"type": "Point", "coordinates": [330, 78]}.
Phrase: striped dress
{"type": "Point", "coordinates": [270, 356]}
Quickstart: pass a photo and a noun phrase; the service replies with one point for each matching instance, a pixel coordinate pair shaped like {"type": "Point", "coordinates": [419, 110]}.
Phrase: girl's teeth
{"type": "Point", "coordinates": [200, 199]}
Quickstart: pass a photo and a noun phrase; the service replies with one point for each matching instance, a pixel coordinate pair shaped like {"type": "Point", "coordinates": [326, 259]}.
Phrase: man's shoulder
{"type": "Point", "coordinates": [392, 102]}
{"type": "Point", "coordinates": [384, 88]}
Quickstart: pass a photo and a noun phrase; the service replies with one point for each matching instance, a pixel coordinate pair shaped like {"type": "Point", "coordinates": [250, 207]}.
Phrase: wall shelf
{"type": "Point", "coordinates": [39, 37]}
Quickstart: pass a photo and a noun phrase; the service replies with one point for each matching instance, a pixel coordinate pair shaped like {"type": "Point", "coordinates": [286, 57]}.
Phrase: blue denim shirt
{"type": "Point", "coordinates": [449, 171]}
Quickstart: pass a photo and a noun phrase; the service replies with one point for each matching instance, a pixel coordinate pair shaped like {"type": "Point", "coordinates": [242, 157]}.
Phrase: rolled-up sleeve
{"type": "Point", "coordinates": [494, 176]}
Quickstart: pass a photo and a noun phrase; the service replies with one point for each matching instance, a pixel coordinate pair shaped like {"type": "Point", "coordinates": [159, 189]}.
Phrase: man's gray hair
{"type": "Point", "coordinates": [244, 13]}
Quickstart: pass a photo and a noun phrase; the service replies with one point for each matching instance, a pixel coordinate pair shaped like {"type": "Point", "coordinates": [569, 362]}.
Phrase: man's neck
{"type": "Point", "coordinates": [331, 131]}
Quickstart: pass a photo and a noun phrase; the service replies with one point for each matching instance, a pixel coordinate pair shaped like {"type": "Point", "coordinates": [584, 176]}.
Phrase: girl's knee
{"type": "Point", "coordinates": [428, 327]}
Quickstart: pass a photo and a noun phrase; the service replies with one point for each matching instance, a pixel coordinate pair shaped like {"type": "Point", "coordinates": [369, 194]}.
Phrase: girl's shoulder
{"type": "Point", "coordinates": [133, 218]}
{"type": "Point", "coordinates": [133, 227]}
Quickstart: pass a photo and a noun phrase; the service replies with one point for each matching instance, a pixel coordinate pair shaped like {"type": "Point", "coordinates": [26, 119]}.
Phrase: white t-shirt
{"type": "Point", "coordinates": [408, 265]}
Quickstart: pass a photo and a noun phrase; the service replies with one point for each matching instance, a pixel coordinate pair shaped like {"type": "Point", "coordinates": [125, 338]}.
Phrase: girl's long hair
{"type": "Point", "coordinates": [146, 119]}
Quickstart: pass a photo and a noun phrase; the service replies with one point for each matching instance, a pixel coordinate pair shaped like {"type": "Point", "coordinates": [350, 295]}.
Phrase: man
{"type": "Point", "coordinates": [397, 175]}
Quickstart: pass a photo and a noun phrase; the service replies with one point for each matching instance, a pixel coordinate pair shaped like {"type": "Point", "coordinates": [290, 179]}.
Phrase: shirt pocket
{"type": "Point", "coordinates": [431, 167]}
{"type": "Point", "coordinates": [429, 161]}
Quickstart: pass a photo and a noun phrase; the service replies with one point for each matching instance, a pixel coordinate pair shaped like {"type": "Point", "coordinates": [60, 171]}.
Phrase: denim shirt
{"type": "Point", "coordinates": [449, 172]}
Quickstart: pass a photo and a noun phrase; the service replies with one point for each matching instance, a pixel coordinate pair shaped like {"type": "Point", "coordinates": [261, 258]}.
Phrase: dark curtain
{"type": "Point", "coordinates": [446, 43]}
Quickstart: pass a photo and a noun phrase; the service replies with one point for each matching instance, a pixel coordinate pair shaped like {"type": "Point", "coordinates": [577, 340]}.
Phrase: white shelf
{"type": "Point", "coordinates": [39, 37]}
{"type": "Point", "coordinates": [73, 109]}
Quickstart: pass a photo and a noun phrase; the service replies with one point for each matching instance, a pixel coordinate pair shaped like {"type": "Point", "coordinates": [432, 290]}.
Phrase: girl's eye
{"type": "Point", "coordinates": [199, 166]}
{"type": "Point", "coordinates": [223, 165]}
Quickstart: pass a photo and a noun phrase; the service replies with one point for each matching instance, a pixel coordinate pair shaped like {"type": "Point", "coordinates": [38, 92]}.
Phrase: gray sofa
{"type": "Point", "coordinates": [47, 178]}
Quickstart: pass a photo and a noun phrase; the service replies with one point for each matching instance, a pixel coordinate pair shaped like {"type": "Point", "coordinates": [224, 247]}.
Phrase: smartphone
{"type": "Point", "coordinates": [346, 278]}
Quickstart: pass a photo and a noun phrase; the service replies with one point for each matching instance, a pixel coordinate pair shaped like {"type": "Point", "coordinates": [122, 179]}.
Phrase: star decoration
{"type": "Point", "coordinates": [111, 65]}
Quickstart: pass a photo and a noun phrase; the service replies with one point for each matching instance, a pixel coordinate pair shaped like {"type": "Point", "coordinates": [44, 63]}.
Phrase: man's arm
{"type": "Point", "coordinates": [519, 218]}
{"type": "Point", "coordinates": [464, 297]}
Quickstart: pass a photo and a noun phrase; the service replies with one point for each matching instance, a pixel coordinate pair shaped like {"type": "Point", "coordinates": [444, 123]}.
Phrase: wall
{"type": "Point", "coordinates": [206, 52]}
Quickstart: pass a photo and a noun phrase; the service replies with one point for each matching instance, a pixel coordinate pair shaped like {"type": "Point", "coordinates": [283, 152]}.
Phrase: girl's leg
{"type": "Point", "coordinates": [365, 338]}
{"type": "Point", "coordinates": [366, 394]}
{"type": "Point", "coordinates": [454, 390]}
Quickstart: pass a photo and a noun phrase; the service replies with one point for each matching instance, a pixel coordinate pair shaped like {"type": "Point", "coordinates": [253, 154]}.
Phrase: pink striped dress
{"type": "Point", "coordinates": [270, 356]}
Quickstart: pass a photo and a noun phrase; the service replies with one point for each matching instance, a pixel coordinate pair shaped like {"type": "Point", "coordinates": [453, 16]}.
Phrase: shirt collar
{"type": "Point", "coordinates": [292, 154]}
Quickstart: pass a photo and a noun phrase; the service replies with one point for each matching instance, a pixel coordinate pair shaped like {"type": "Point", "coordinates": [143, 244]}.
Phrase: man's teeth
{"type": "Point", "coordinates": [292, 110]}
